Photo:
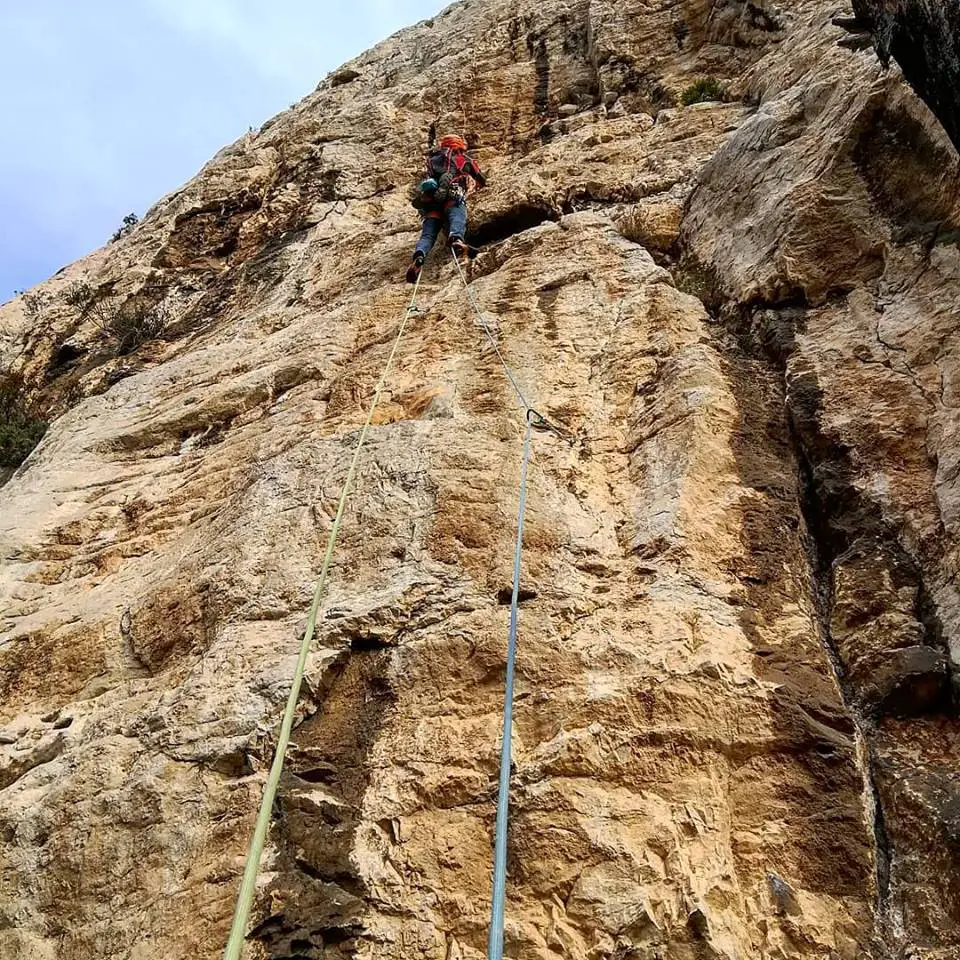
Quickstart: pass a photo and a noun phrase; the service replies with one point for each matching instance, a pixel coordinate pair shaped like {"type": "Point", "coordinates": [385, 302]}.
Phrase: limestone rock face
{"type": "Point", "coordinates": [736, 726]}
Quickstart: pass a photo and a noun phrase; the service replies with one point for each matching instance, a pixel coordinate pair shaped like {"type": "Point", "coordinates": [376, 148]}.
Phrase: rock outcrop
{"type": "Point", "coordinates": [923, 36]}
{"type": "Point", "coordinates": [736, 722]}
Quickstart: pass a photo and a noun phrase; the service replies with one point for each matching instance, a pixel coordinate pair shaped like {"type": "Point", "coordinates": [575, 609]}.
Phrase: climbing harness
{"type": "Point", "coordinates": [450, 169]}
{"type": "Point", "coordinates": [247, 887]}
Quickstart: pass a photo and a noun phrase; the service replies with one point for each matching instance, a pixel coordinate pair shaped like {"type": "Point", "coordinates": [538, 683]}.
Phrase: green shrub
{"type": "Point", "coordinates": [130, 324]}
{"type": "Point", "coordinates": [80, 296]}
{"type": "Point", "coordinates": [704, 90]}
{"type": "Point", "coordinates": [700, 281]}
{"type": "Point", "coordinates": [129, 222]}
{"type": "Point", "coordinates": [21, 428]}
{"type": "Point", "coordinates": [33, 306]}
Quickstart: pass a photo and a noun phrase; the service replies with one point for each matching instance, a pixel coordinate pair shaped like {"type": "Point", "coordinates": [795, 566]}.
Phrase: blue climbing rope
{"type": "Point", "coordinates": [538, 421]}
{"type": "Point", "coordinates": [495, 939]}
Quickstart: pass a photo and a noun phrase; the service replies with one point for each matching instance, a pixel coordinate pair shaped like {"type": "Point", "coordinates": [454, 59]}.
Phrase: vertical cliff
{"type": "Point", "coordinates": [736, 721]}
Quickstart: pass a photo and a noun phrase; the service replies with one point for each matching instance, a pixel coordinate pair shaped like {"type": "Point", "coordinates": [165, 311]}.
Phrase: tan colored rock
{"type": "Point", "coordinates": [734, 576]}
{"type": "Point", "coordinates": [656, 225]}
{"type": "Point", "coordinates": [848, 279]}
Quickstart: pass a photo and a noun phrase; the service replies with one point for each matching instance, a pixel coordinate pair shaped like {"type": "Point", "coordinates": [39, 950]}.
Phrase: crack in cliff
{"type": "Point", "coordinates": [821, 568]}
{"type": "Point", "coordinates": [767, 350]}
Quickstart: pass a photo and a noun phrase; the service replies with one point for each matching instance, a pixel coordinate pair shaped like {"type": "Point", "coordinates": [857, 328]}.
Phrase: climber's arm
{"type": "Point", "coordinates": [477, 173]}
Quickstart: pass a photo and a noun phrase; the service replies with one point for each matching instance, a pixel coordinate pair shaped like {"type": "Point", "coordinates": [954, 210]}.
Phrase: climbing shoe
{"type": "Point", "coordinates": [413, 271]}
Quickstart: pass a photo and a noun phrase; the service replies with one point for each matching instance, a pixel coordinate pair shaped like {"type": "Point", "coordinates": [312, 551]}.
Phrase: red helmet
{"type": "Point", "coordinates": [453, 141]}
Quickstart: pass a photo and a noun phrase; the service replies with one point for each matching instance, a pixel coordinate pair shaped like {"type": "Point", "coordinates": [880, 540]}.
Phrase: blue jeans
{"type": "Point", "coordinates": [454, 219]}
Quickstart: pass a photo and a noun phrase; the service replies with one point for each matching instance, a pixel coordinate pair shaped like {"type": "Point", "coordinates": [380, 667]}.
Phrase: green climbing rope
{"type": "Point", "coordinates": [241, 914]}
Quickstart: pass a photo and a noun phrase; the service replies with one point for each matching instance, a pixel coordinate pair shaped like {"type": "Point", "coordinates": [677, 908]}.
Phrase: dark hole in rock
{"type": "Point", "coordinates": [338, 935]}
{"type": "Point", "coordinates": [272, 923]}
{"type": "Point", "coordinates": [235, 764]}
{"type": "Point", "coordinates": [697, 924]}
{"type": "Point", "coordinates": [516, 219]}
{"type": "Point", "coordinates": [505, 595]}
{"type": "Point", "coordinates": [63, 723]}
{"type": "Point", "coordinates": [227, 247]}
{"type": "Point", "coordinates": [317, 774]}
{"type": "Point", "coordinates": [343, 76]}
{"type": "Point", "coordinates": [368, 644]}
{"type": "Point", "coordinates": [923, 685]}
{"type": "Point", "coordinates": [309, 869]}
{"type": "Point", "coordinates": [547, 132]}
{"type": "Point", "coordinates": [66, 354]}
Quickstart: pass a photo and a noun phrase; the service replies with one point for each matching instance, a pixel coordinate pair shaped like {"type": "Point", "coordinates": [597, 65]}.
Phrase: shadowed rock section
{"type": "Point", "coordinates": [923, 36]}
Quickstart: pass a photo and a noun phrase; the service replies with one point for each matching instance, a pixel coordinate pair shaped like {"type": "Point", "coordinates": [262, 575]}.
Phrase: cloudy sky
{"type": "Point", "coordinates": [106, 105]}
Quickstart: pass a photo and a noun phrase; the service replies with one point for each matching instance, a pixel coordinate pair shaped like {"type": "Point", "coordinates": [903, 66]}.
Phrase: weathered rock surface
{"type": "Point", "coordinates": [736, 722]}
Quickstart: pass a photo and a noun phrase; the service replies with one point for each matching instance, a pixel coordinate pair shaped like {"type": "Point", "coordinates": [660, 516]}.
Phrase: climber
{"type": "Point", "coordinates": [442, 199]}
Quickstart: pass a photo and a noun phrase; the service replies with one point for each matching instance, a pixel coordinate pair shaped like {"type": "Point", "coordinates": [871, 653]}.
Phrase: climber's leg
{"type": "Point", "coordinates": [457, 226]}
{"type": "Point", "coordinates": [432, 225]}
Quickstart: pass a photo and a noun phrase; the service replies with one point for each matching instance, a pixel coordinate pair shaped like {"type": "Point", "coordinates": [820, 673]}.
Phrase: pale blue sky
{"type": "Point", "coordinates": [106, 105]}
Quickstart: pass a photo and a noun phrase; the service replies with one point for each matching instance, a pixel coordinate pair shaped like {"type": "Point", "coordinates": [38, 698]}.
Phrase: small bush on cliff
{"type": "Point", "coordinates": [21, 427]}
{"type": "Point", "coordinates": [129, 222]}
{"type": "Point", "coordinates": [80, 296]}
{"type": "Point", "coordinates": [34, 305]}
{"type": "Point", "coordinates": [130, 324]}
{"type": "Point", "coordinates": [700, 281]}
{"type": "Point", "coordinates": [705, 89]}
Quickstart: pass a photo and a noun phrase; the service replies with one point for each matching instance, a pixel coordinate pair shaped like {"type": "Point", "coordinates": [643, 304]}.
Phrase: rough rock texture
{"type": "Point", "coordinates": [736, 723]}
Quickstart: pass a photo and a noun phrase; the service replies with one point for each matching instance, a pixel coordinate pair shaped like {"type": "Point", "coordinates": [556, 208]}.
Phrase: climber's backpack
{"type": "Point", "coordinates": [449, 168]}
{"type": "Point", "coordinates": [448, 162]}
{"type": "Point", "coordinates": [446, 180]}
